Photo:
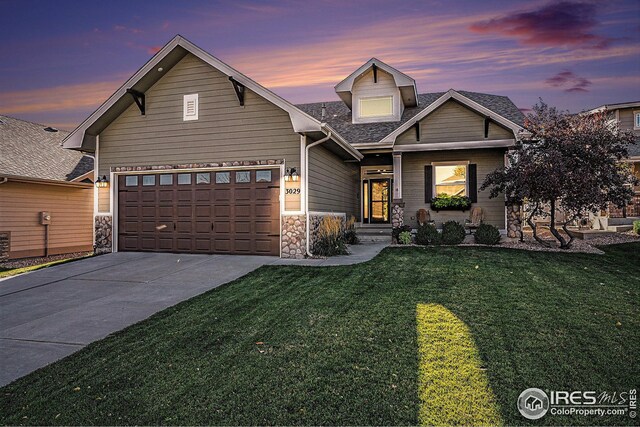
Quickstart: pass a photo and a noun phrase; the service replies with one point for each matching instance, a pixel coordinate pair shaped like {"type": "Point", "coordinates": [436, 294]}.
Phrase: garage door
{"type": "Point", "coordinates": [227, 212]}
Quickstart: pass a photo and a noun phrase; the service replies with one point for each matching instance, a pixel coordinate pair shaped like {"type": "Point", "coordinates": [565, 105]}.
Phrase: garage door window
{"type": "Point", "coordinates": [184, 179]}
{"type": "Point", "coordinates": [203, 178]}
{"type": "Point", "coordinates": [244, 176]}
{"type": "Point", "coordinates": [223, 178]}
{"type": "Point", "coordinates": [131, 181]}
{"type": "Point", "coordinates": [148, 180]}
{"type": "Point", "coordinates": [263, 176]}
{"type": "Point", "coordinates": [166, 179]}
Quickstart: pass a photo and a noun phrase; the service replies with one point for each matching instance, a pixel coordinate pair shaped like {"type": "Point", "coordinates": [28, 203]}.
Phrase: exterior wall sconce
{"type": "Point", "coordinates": [102, 182]}
{"type": "Point", "coordinates": [291, 175]}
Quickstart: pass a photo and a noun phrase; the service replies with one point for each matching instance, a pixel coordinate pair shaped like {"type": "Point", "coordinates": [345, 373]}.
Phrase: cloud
{"type": "Point", "coordinates": [152, 50]}
{"type": "Point", "coordinates": [565, 24]}
{"type": "Point", "coordinates": [569, 82]}
{"type": "Point", "coordinates": [123, 28]}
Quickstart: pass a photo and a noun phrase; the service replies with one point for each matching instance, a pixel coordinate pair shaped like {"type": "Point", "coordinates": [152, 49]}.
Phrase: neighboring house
{"type": "Point", "coordinates": [627, 116]}
{"type": "Point", "coordinates": [198, 158]}
{"type": "Point", "coordinates": [46, 196]}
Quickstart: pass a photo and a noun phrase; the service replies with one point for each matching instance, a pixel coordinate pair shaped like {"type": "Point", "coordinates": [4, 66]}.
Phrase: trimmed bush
{"type": "Point", "coordinates": [350, 236]}
{"type": "Point", "coordinates": [395, 233]}
{"type": "Point", "coordinates": [452, 233]}
{"type": "Point", "coordinates": [330, 238]}
{"type": "Point", "coordinates": [427, 235]}
{"type": "Point", "coordinates": [487, 234]}
{"type": "Point", "coordinates": [404, 238]}
{"type": "Point", "coordinates": [636, 227]}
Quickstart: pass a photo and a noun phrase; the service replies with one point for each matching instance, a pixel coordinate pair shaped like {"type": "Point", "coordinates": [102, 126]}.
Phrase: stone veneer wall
{"type": "Point", "coordinates": [314, 224]}
{"type": "Point", "coordinates": [514, 221]}
{"type": "Point", "coordinates": [5, 245]}
{"type": "Point", "coordinates": [103, 227]}
{"type": "Point", "coordinates": [294, 243]}
{"type": "Point", "coordinates": [397, 214]}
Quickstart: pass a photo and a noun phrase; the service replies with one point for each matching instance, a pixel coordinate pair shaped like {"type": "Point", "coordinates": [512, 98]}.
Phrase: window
{"type": "Point", "coordinates": [263, 176]}
{"type": "Point", "coordinates": [636, 120]}
{"type": "Point", "coordinates": [190, 111]}
{"type": "Point", "coordinates": [450, 179]}
{"type": "Point", "coordinates": [223, 177]}
{"type": "Point", "coordinates": [166, 179]}
{"type": "Point", "coordinates": [203, 178]}
{"type": "Point", "coordinates": [131, 181]}
{"type": "Point", "coordinates": [184, 178]}
{"type": "Point", "coordinates": [148, 180]}
{"type": "Point", "coordinates": [376, 107]}
{"type": "Point", "coordinates": [244, 176]}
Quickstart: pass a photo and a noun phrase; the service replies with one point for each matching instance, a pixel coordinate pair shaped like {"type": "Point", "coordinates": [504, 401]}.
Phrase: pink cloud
{"type": "Point", "coordinates": [564, 23]}
{"type": "Point", "coordinates": [569, 82]}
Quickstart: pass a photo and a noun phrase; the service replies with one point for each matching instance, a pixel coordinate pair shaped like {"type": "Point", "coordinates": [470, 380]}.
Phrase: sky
{"type": "Point", "coordinates": [60, 59]}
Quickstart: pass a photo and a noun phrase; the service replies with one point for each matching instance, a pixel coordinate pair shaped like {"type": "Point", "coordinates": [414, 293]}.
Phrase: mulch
{"type": "Point", "coordinates": [28, 262]}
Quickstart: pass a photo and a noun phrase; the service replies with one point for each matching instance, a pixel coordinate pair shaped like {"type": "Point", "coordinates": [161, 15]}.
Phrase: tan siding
{"type": "Point", "coordinates": [453, 122]}
{"type": "Point", "coordinates": [71, 211]}
{"type": "Point", "coordinates": [413, 193]}
{"type": "Point", "coordinates": [103, 200]}
{"type": "Point", "coordinates": [364, 87]}
{"type": "Point", "coordinates": [225, 131]}
{"type": "Point", "coordinates": [626, 119]}
{"type": "Point", "coordinates": [333, 183]}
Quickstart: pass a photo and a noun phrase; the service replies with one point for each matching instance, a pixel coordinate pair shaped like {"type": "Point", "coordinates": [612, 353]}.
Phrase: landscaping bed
{"type": "Point", "coordinates": [362, 345]}
{"type": "Point", "coordinates": [23, 265]}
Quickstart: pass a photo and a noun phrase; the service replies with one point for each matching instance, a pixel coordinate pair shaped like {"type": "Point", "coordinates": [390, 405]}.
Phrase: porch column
{"type": "Point", "coordinates": [397, 210]}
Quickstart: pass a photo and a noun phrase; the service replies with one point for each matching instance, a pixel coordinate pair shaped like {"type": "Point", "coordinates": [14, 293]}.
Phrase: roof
{"type": "Point", "coordinates": [616, 106]}
{"type": "Point", "coordinates": [84, 136]}
{"type": "Point", "coordinates": [28, 150]}
{"type": "Point", "coordinates": [338, 115]}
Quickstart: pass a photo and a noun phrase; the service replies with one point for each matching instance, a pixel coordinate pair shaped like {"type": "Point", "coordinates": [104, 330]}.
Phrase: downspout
{"type": "Point", "coordinates": [3, 180]}
{"type": "Point", "coordinates": [306, 185]}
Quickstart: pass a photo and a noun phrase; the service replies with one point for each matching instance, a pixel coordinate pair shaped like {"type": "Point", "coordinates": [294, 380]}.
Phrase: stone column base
{"type": "Point", "coordinates": [294, 236]}
{"type": "Point", "coordinates": [397, 214]}
{"type": "Point", "coordinates": [5, 245]}
{"type": "Point", "coordinates": [514, 221]}
{"type": "Point", "coordinates": [103, 226]}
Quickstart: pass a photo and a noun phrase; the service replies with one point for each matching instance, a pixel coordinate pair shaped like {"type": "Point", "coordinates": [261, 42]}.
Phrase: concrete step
{"type": "Point", "coordinates": [381, 238]}
{"type": "Point", "coordinates": [622, 221]}
{"type": "Point", "coordinates": [620, 228]}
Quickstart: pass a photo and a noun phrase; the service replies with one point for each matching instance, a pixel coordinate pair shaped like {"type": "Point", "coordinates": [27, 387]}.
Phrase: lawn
{"type": "Point", "coordinates": [416, 335]}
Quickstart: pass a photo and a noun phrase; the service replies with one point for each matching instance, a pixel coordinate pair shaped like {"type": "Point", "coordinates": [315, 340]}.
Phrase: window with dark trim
{"type": "Point", "coordinates": [148, 180]}
{"type": "Point", "coordinates": [184, 178]}
{"type": "Point", "coordinates": [166, 179]}
{"type": "Point", "coordinates": [263, 176]}
{"type": "Point", "coordinates": [131, 181]}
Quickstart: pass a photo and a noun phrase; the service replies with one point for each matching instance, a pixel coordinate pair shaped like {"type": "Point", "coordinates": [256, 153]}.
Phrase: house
{"type": "Point", "coordinates": [46, 196]}
{"type": "Point", "coordinates": [196, 157]}
{"type": "Point", "coordinates": [626, 116]}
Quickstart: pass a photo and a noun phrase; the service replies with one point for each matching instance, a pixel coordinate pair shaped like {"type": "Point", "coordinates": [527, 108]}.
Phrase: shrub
{"type": "Point", "coordinates": [395, 233]}
{"type": "Point", "coordinates": [636, 227]}
{"type": "Point", "coordinates": [330, 240]}
{"type": "Point", "coordinates": [350, 236]}
{"type": "Point", "coordinates": [427, 235]}
{"type": "Point", "coordinates": [452, 233]}
{"type": "Point", "coordinates": [487, 234]}
{"type": "Point", "coordinates": [404, 238]}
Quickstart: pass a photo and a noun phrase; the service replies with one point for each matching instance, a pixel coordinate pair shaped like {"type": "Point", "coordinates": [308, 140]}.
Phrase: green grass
{"type": "Point", "coordinates": [339, 345]}
{"type": "Point", "coordinates": [8, 272]}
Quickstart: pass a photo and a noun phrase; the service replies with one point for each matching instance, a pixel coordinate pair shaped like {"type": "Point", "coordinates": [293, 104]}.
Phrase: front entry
{"type": "Point", "coordinates": [377, 201]}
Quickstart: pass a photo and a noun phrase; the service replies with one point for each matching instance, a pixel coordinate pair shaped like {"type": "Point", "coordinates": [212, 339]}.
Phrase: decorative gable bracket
{"type": "Point", "coordinates": [239, 89]}
{"type": "Point", "coordinates": [139, 98]}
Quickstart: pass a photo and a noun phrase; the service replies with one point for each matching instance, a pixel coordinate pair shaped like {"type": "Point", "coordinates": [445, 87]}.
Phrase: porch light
{"type": "Point", "coordinates": [102, 182]}
{"type": "Point", "coordinates": [291, 175]}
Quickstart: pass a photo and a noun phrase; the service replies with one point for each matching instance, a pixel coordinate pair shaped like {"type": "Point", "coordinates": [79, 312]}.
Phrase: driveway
{"type": "Point", "coordinates": [51, 313]}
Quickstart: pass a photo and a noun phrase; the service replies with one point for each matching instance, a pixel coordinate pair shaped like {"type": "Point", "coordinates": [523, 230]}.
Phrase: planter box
{"type": "Point", "coordinates": [450, 208]}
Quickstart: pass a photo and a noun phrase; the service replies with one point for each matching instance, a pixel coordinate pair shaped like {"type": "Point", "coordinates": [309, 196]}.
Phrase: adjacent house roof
{"type": "Point", "coordinates": [32, 150]}
{"type": "Point", "coordinates": [338, 115]}
{"type": "Point", "coordinates": [617, 106]}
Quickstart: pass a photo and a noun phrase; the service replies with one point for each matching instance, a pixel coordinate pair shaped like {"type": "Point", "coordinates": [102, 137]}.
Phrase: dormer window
{"type": "Point", "coordinates": [379, 106]}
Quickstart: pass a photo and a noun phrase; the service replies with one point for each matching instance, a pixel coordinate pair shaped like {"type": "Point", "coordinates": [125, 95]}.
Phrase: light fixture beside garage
{"type": "Point", "coordinates": [291, 175]}
{"type": "Point", "coordinates": [102, 182]}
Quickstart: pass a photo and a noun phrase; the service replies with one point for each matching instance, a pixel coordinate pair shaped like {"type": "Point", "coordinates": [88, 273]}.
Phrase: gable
{"type": "Point", "coordinates": [453, 122]}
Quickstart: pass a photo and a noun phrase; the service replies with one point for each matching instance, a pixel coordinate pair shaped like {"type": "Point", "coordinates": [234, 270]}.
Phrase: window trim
{"type": "Point", "coordinates": [636, 114]}
{"type": "Point", "coordinates": [464, 163]}
{"type": "Point", "coordinates": [370, 98]}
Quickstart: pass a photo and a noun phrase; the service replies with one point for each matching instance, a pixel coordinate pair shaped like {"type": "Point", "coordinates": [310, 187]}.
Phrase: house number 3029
{"type": "Point", "coordinates": [292, 191]}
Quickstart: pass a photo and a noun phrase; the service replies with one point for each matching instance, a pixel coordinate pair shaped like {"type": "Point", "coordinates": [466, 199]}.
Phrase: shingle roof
{"type": "Point", "coordinates": [338, 115]}
{"type": "Point", "coordinates": [28, 150]}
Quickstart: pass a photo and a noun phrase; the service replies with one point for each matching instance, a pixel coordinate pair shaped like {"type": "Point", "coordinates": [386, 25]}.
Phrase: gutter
{"type": "Point", "coordinates": [306, 185]}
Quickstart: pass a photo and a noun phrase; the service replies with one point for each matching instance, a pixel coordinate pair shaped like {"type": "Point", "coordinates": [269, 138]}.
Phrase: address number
{"type": "Point", "coordinates": [292, 191]}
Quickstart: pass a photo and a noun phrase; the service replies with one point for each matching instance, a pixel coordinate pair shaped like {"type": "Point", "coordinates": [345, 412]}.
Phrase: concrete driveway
{"type": "Point", "coordinates": [51, 313]}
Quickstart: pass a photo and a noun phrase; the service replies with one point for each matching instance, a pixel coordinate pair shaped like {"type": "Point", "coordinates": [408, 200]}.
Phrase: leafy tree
{"type": "Point", "coordinates": [571, 163]}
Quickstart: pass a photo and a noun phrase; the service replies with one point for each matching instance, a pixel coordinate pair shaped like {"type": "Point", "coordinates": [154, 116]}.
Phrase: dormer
{"type": "Point", "coordinates": [377, 92]}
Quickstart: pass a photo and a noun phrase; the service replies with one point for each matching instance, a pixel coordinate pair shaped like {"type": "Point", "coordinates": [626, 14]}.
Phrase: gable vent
{"type": "Point", "coordinates": [190, 111]}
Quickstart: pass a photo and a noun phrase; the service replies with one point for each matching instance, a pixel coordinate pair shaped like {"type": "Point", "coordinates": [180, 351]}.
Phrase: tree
{"type": "Point", "coordinates": [571, 163]}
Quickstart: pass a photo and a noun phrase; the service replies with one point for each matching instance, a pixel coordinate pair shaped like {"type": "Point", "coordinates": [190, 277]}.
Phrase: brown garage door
{"type": "Point", "coordinates": [229, 212]}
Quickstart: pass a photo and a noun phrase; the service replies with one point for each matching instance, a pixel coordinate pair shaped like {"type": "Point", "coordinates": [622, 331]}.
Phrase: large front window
{"type": "Point", "coordinates": [451, 180]}
{"type": "Point", "coordinates": [376, 107]}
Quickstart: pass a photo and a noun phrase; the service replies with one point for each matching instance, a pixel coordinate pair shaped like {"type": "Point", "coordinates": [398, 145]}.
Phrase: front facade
{"type": "Point", "coordinates": [196, 157]}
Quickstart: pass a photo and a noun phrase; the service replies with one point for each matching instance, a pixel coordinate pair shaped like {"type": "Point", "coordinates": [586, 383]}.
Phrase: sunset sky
{"type": "Point", "coordinates": [61, 59]}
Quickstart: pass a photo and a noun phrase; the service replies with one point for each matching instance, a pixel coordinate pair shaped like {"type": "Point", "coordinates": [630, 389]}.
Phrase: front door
{"type": "Point", "coordinates": [379, 200]}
